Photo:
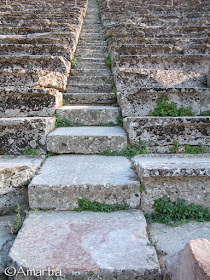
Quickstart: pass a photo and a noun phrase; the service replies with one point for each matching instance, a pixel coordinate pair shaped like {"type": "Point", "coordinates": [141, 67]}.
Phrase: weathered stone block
{"type": "Point", "coordinates": [15, 175]}
{"type": "Point", "coordinates": [19, 134]}
{"type": "Point", "coordinates": [24, 102]}
{"type": "Point", "coordinates": [86, 245]}
{"type": "Point", "coordinates": [63, 180]}
{"type": "Point", "coordinates": [163, 131]}
{"type": "Point", "coordinates": [139, 102]}
{"type": "Point", "coordinates": [171, 175]}
{"type": "Point", "coordinates": [90, 98]}
{"type": "Point", "coordinates": [192, 262]}
{"type": "Point", "coordinates": [86, 140]}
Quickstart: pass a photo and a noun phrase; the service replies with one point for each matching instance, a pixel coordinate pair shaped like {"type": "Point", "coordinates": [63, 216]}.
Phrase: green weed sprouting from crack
{"type": "Point", "coordinates": [175, 147]}
{"type": "Point", "coordinates": [119, 122]}
{"type": "Point", "coordinates": [189, 149]}
{"type": "Point", "coordinates": [114, 90]}
{"type": "Point", "coordinates": [64, 122]}
{"type": "Point", "coordinates": [18, 221]}
{"type": "Point", "coordinates": [177, 212]}
{"type": "Point", "coordinates": [109, 36]}
{"type": "Point", "coordinates": [30, 152]}
{"type": "Point", "coordinates": [129, 151]}
{"type": "Point", "coordinates": [141, 188]}
{"type": "Point", "coordinates": [86, 205]}
{"type": "Point", "coordinates": [109, 60]}
{"type": "Point", "coordinates": [165, 109]}
{"type": "Point", "coordinates": [64, 102]}
{"type": "Point", "coordinates": [205, 113]}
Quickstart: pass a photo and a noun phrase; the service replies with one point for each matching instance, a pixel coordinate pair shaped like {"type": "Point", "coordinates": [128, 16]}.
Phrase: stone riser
{"type": "Point", "coordinates": [90, 88]}
{"type": "Point", "coordinates": [162, 132]}
{"type": "Point", "coordinates": [86, 140]}
{"type": "Point", "coordinates": [90, 98]}
{"type": "Point", "coordinates": [89, 115]}
{"type": "Point", "coordinates": [138, 103]}
{"type": "Point", "coordinates": [19, 134]}
{"type": "Point", "coordinates": [51, 63]}
{"type": "Point", "coordinates": [90, 80]}
{"type": "Point", "coordinates": [29, 103]}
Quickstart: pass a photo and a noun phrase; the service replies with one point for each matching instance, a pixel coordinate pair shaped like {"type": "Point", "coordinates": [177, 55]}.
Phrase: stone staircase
{"type": "Point", "coordinates": [88, 245]}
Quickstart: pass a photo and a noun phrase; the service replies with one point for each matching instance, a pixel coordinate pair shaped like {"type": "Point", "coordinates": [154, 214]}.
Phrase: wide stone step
{"type": "Point", "coordinates": [83, 88]}
{"type": "Point", "coordinates": [172, 175]}
{"type": "Point", "coordinates": [92, 50]}
{"type": "Point", "coordinates": [43, 62]}
{"type": "Point", "coordinates": [16, 172]}
{"type": "Point", "coordinates": [91, 72]}
{"type": "Point", "coordinates": [34, 79]}
{"type": "Point", "coordinates": [89, 115]}
{"type": "Point", "coordinates": [91, 54]}
{"type": "Point", "coordinates": [92, 36]}
{"type": "Point", "coordinates": [163, 131]}
{"type": "Point", "coordinates": [24, 102]}
{"type": "Point", "coordinates": [86, 140]}
{"type": "Point", "coordinates": [87, 60]}
{"type": "Point", "coordinates": [90, 80]}
{"type": "Point", "coordinates": [88, 65]}
{"type": "Point", "coordinates": [90, 98]}
{"type": "Point", "coordinates": [65, 179]}
{"type": "Point", "coordinates": [19, 134]}
{"type": "Point", "coordinates": [86, 245]}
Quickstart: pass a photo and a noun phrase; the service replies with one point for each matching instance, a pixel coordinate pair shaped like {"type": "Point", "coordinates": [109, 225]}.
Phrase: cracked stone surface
{"type": "Point", "coordinates": [15, 175]}
{"type": "Point", "coordinates": [64, 179]}
{"type": "Point", "coordinates": [87, 245]}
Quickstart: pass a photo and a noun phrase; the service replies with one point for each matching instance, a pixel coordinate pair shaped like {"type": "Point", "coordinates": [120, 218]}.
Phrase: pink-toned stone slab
{"type": "Point", "coordinates": [87, 244]}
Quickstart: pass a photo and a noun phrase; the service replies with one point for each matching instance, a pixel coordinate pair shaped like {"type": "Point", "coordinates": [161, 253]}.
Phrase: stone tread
{"type": "Point", "coordinates": [87, 245]}
{"type": "Point", "coordinates": [73, 177]}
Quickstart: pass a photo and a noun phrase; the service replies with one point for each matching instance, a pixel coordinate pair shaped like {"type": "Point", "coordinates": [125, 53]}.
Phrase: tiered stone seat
{"type": "Point", "coordinates": [156, 50]}
{"type": "Point", "coordinates": [37, 43]}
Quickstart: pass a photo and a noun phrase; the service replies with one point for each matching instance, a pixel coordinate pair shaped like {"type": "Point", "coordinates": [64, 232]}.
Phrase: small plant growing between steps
{"type": "Point", "coordinates": [64, 102]}
{"type": "Point", "coordinates": [64, 122]}
{"type": "Point", "coordinates": [99, 15]}
{"type": "Point", "coordinates": [114, 90]}
{"type": "Point", "coordinates": [175, 147]}
{"type": "Point", "coordinates": [109, 60]}
{"type": "Point", "coordinates": [129, 151]}
{"type": "Point", "coordinates": [118, 123]}
{"type": "Point", "coordinates": [86, 205]}
{"type": "Point", "coordinates": [165, 109]}
{"type": "Point", "coordinates": [205, 113]}
{"type": "Point", "coordinates": [200, 149]}
{"type": "Point", "coordinates": [109, 36]}
{"type": "Point", "coordinates": [18, 221]}
{"type": "Point", "coordinates": [29, 152]}
{"type": "Point", "coordinates": [141, 188]}
{"type": "Point", "coordinates": [176, 212]}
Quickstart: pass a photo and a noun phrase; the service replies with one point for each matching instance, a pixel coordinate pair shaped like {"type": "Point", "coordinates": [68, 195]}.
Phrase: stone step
{"type": "Point", "coordinates": [90, 80]}
{"type": "Point", "coordinates": [145, 99]}
{"type": "Point", "coordinates": [93, 49]}
{"type": "Point", "coordinates": [90, 98]}
{"type": "Point", "coordinates": [86, 140]}
{"type": "Point", "coordinates": [86, 245]}
{"type": "Point", "coordinates": [92, 36]}
{"type": "Point", "coordinates": [42, 62]}
{"type": "Point", "coordinates": [163, 131]}
{"type": "Point", "coordinates": [91, 44]}
{"type": "Point", "coordinates": [88, 65]}
{"type": "Point", "coordinates": [91, 72]}
{"type": "Point", "coordinates": [89, 115]}
{"type": "Point", "coordinates": [172, 175]}
{"type": "Point", "coordinates": [83, 88]}
{"type": "Point", "coordinates": [16, 172]}
{"type": "Point", "coordinates": [34, 79]}
{"type": "Point", "coordinates": [91, 54]}
{"type": "Point", "coordinates": [19, 134]}
{"type": "Point", "coordinates": [24, 102]}
{"type": "Point", "coordinates": [65, 179]}
{"type": "Point", "coordinates": [38, 49]}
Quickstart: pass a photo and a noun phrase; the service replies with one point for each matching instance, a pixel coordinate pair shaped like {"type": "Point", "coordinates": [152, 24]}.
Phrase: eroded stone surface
{"type": "Point", "coordinates": [87, 245]}
{"type": "Point", "coordinates": [192, 262]}
{"type": "Point", "coordinates": [19, 134]}
{"type": "Point", "coordinates": [172, 175]}
{"type": "Point", "coordinates": [15, 175]}
{"type": "Point", "coordinates": [63, 180]}
{"type": "Point", "coordinates": [86, 140]}
{"type": "Point", "coordinates": [163, 131]}
{"type": "Point", "coordinates": [6, 241]}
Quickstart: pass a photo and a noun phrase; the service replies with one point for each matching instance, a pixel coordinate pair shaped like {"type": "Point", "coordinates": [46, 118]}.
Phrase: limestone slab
{"type": "Point", "coordinates": [25, 102]}
{"type": "Point", "coordinates": [19, 134]}
{"type": "Point", "coordinates": [89, 115]}
{"type": "Point", "coordinates": [90, 98]}
{"type": "Point", "coordinates": [172, 175]}
{"type": "Point", "coordinates": [86, 245]}
{"type": "Point", "coordinates": [64, 179]}
{"type": "Point", "coordinates": [15, 175]}
{"type": "Point", "coordinates": [163, 131]}
{"type": "Point", "coordinates": [6, 241]}
{"type": "Point", "coordinates": [86, 140]}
